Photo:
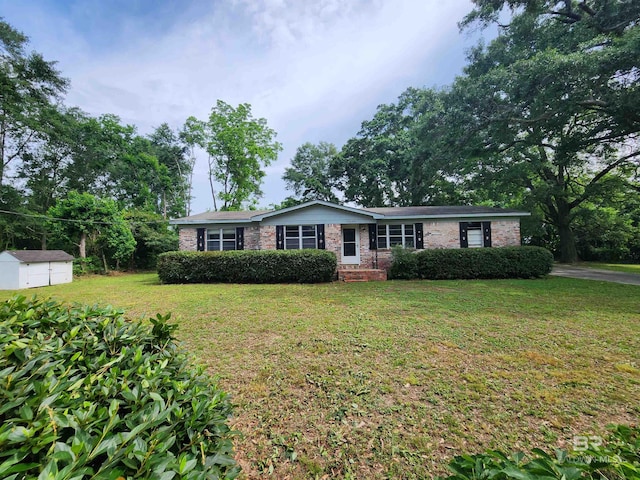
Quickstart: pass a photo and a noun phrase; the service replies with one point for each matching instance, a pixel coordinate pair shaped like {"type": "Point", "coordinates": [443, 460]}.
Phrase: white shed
{"type": "Point", "coordinates": [34, 268]}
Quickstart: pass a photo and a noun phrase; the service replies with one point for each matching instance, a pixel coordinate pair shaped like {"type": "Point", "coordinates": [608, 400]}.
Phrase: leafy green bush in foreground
{"type": "Point", "coordinates": [471, 263]}
{"type": "Point", "coordinates": [617, 458]}
{"type": "Point", "coordinates": [85, 393]}
{"type": "Point", "coordinates": [248, 266]}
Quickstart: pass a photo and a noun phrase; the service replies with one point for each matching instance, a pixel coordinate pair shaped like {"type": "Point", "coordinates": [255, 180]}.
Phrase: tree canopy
{"type": "Point", "coordinates": [238, 147]}
{"type": "Point", "coordinates": [82, 218]}
{"type": "Point", "coordinates": [389, 162]}
{"type": "Point", "coordinates": [545, 118]}
{"type": "Point", "coordinates": [309, 175]}
{"type": "Point", "coordinates": [551, 105]}
{"type": "Point", "coordinates": [30, 87]}
{"type": "Point", "coordinates": [58, 161]}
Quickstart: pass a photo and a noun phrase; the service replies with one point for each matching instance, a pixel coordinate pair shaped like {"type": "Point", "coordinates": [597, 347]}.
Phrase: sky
{"type": "Point", "coordinates": [314, 69]}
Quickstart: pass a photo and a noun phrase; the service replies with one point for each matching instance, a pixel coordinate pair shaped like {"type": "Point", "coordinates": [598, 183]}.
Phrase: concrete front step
{"type": "Point", "coordinates": [362, 275]}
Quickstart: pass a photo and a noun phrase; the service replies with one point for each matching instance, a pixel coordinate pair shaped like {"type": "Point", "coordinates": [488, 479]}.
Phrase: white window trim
{"type": "Point", "coordinates": [300, 237]}
{"type": "Point", "coordinates": [386, 235]}
{"type": "Point", "coordinates": [222, 240]}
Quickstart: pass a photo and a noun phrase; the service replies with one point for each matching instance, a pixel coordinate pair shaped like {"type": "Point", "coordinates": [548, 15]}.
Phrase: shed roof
{"type": "Point", "coordinates": [38, 256]}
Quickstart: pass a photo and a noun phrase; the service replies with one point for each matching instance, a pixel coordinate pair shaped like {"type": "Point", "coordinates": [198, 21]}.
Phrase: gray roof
{"type": "Point", "coordinates": [39, 256]}
{"type": "Point", "coordinates": [438, 211]}
{"type": "Point", "coordinates": [207, 217]}
{"type": "Point", "coordinates": [389, 213]}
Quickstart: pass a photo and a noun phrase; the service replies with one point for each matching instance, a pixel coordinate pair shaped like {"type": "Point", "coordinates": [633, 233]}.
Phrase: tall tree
{"type": "Point", "coordinates": [44, 167]}
{"type": "Point", "coordinates": [551, 106]}
{"type": "Point", "coordinates": [238, 146]}
{"type": "Point", "coordinates": [87, 221]}
{"type": "Point", "coordinates": [29, 86]}
{"type": "Point", "coordinates": [309, 175]}
{"type": "Point", "coordinates": [388, 164]}
{"type": "Point", "coordinates": [172, 153]}
{"type": "Point", "coordinates": [191, 135]}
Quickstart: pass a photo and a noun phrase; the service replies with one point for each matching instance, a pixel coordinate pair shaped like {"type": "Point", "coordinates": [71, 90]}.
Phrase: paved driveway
{"type": "Point", "coordinates": [595, 274]}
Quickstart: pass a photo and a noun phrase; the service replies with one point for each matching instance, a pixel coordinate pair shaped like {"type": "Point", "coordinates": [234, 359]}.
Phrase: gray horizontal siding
{"type": "Point", "coordinates": [219, 225]}
{"type": "Point", "coordinates": [317, 214]}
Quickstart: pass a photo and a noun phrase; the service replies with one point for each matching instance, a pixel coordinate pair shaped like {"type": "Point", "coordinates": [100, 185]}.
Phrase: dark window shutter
{"type": "Point", "coordinates": [320, 236]}
{"type": "Point", "coordinates": [373, 236]}
{"type": "Point", "coordinates": [280, 237]}
{"type": "Point", "coordinates": [486, 233]}
{"type": "Point", "coordinates": [464, 242]}
{"type": "Point", "coordinates": [200, 241]}
{"type": "Point", "coordinates": [419, 236]}
{"type": "Point", "coordinates": [239, 238]}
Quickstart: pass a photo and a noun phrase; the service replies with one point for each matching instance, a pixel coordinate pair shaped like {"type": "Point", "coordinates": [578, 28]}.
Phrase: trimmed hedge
{"type": "Point", "coordinates": [472, 263]}
{"type": "Point", "coordinates": [248, 266]}
{"type": "Point", "coordinates": [85, 393]}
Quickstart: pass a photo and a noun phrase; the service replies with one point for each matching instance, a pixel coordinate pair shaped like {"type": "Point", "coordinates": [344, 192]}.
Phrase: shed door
{"type": "Point", "coordinates": [37, 274]}
{"type": "Point", "coordinates": [60, 272]}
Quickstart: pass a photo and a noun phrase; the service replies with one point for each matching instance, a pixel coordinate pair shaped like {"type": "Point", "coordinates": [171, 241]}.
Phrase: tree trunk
{"type": "Point", "coordinates": [83, 245]}
{"type": "Point", "coordinates": [43, 241]}
{"type": "Point", "coordinates": [164, 204]}
{"type": "Point", "coordinates": [568, 252]}
{"type": "Point", "coordinates": [3, 138]}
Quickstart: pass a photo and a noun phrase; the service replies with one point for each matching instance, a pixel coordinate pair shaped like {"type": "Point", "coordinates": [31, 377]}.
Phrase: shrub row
{"type": "Point", "coordinates": [248, 266]}
{"type": "Point", "coordinates": [617, 458]}
{"type": "Point", "coordinates": [471, 263]}
{"type": "Point", "coordinates": [85, 393]}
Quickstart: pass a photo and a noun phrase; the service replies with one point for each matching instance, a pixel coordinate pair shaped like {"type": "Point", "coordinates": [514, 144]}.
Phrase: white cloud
{"type": "Point", "coordinates": [314, 69]}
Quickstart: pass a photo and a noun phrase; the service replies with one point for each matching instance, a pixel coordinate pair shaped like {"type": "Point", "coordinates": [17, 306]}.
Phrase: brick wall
{"type": "Point", "coordinates": [384, 259]}
{"type": "Point", "coordinates": [267, 237]}
{"type": "Point", "coordinates": [333, 239]}
{"type": "Point", "coordinates": [188, 239]}
{"type": "Point", "coordinates": [505, 233]}
{"type": "Point", "coordinates": [442, 234]}
{"type": "Point", "coordinates": [252, 238]}
{"type": "Point", "coordinates": [437, 234]}
{"type": "Point", "coordinates": [446, 234]}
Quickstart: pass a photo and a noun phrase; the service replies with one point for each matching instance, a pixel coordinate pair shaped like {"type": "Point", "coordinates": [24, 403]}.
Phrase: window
{"type": "Point", "coordinates": [349, 242]}
{"type": "Point", "coordinates": [475, 234]}
{"type": "Point", "coordinates": [298, 237]}
{"type": "Point", "coordinates": [392, 235]}
{"type": "Point", "coordinates": [221, 239]}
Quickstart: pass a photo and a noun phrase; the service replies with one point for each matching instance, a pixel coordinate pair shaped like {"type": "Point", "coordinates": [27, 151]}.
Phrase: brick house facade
{"type": "Point", "coordinates": [360, 238]}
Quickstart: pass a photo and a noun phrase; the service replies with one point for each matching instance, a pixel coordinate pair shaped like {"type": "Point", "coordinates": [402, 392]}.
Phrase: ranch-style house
{"type": "Point", "coordinates": [360, 237]}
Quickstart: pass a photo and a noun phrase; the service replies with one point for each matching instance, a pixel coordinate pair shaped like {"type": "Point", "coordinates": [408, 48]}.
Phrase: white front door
{"type": "Point", "coordinates": [350, 244]}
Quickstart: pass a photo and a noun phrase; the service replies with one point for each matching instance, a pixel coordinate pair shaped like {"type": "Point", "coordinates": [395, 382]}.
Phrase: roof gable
{"type": "Point", "coordinates": [314, 203]}
{"type": "Point", "coordinates": [315, 213]}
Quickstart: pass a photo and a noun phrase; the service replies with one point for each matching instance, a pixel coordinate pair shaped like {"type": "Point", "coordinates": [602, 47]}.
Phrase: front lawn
{"type": "Point", "coordinates": [392, 379]}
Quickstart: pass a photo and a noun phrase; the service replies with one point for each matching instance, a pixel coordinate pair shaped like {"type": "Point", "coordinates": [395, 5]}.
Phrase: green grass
{"type": "Point", "coordinates": [392, 379]}
{"type": "Point", "coordinates": [616, 267]}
